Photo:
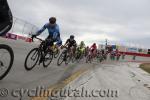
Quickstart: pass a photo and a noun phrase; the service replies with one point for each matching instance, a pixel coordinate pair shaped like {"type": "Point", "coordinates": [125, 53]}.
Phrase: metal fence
{"type": "Point", "coordinates": [23, 28]}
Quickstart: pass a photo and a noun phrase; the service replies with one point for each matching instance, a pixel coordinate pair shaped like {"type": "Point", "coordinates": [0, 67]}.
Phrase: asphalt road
{"type": "Point", "coordinates": [115, 81]}
{"type": "Point", "coordinates": [19, 81]}
{"type": "Point", "coordinates": [19, 78]}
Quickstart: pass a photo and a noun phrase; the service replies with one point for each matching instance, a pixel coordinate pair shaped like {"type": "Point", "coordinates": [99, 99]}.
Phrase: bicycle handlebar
{"type": "Point", "coordinates": [64, 46]}
{"type": "Point", "coordinates": [37, 38]}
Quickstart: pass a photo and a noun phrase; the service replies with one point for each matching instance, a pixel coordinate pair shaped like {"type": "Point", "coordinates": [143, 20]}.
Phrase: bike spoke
{"type": "Point", "coordinates": [31, 59]}
{"type": "Point", "coordinates": [47, 59]}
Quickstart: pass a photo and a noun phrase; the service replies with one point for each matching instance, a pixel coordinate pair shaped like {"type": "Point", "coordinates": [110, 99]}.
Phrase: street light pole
{"type": "Point", "coordinates": [106, 42]}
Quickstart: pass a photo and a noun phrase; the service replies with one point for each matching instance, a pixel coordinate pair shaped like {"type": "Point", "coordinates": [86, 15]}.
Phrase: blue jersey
{"type": "Point", "coordinates": [53, 31]}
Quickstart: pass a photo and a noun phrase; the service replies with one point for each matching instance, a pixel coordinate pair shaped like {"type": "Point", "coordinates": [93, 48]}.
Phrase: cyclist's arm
{"type": "Point", "coordinates": [41, 30]}
{"type": "Point", "coordinates": [91, 47]}
{"type": "Point", "coordinates": [75, 44]}
{"type": "Point", "coordinates": [66, 42]}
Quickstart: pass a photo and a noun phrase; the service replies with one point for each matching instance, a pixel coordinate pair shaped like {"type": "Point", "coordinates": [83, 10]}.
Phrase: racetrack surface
{"type": "Point", "coordinates": [122, 76]}
{"type": "Point", "coordinates": [124, 81]}
{"type": "Point", "coordinates": [19, 78]}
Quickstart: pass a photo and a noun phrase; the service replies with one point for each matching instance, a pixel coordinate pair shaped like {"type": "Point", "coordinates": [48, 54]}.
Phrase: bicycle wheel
{"type": "Point", "coordinates": [7, 50]}
{"type": "Point", "coordinates": [79, 57]}
{"type": "Point", "coordinates": [88, 59]}
{"type": "Point", "coordinates": [61, 58]}
{"type": "Point", "coordinates": [33, 55]}
{"type": "Point", "coordinates": [48, 57]}
{"type": "Point", "coordinates": [68, 59]}
{"type": "Point", "coordinates": [100, 59]}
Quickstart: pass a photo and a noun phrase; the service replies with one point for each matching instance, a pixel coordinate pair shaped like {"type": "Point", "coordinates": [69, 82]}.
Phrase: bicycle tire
{"type": "Point", "coordinates": [49, 58]}
{"type": "Point", "coordinates": [61, 59]}
{"type": "Point", "coordinates": [9, 49]}
{"type": "Point", "coordinates": [56, 54]}
{"type": "Point", "coordinates": [25, 64]}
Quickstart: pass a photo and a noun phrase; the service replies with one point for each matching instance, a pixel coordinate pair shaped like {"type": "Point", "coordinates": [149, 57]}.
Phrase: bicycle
{"type": "Point", "coordinates": [92, 55]}
{"type": "Point", "coordinates": [39, 55]}
{"type": "Point", "coordinates": [100, 56]}
{"type": "Point", "coordinates": [6, 50]}
{"type": "Point", "coordinates": [80, 53]}
{"type": "Point", "coordinates": [66, 56]}
{"type": "Point", "coordinates": [89, 57]}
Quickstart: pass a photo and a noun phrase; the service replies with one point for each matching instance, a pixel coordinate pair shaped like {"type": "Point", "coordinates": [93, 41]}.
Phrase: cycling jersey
{"type": "Point", "coordinates": [82, 45]}
{"type": "Point", "coordinates": [71, 43]}
{"type": "Point", "coordinates": [54, 33]}
{"type": "Point", "coordinates": [94, 47]}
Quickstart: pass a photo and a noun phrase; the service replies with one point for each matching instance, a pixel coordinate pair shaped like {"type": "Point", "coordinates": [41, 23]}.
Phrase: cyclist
{"type": "Point", "coordinates": [93, 49]}
{"type": "Point", "coordinates": [71, 44]}
{"type": "Point", "coordinates": [117, 54]}
{"type": "Point", "coordinates": [6, 19]}
{"type": "Point", "coordinates": [81, 48]}
{"type": "Point", "coordinates": [54, 33]}
{"type": "Point", "coordinates": [87, 51]}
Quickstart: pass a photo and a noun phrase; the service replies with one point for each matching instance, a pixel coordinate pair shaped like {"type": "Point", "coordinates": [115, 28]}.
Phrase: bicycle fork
{"type": "Point", "coordinates": [41, 58]}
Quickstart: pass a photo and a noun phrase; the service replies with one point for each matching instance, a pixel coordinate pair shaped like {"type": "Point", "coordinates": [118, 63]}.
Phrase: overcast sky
{"type": "Point", "coordinates": [120, 21]}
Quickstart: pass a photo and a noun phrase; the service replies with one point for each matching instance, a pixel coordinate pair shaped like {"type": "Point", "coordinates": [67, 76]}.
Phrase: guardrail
{"type": "Point", "coordinates": [21, 30]}
{"type": "Point", "coordinates": [22, 27]}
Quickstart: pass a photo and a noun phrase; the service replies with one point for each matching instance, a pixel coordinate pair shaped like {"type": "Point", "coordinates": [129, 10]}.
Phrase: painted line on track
{"type": "Point", "coordinates": [58, 86]}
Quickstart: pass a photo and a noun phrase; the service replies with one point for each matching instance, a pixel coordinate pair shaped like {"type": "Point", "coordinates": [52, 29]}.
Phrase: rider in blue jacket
{"type": "Point", "coordinates": [54, 33]}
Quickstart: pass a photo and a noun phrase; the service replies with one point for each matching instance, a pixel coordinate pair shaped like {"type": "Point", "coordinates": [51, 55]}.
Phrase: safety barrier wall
{"type": "Point", "coordinates": [135, 54]}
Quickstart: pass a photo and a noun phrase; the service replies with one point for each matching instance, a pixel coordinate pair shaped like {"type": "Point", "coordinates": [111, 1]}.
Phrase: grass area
{"type": "Point", "coordinates": [146, 67]}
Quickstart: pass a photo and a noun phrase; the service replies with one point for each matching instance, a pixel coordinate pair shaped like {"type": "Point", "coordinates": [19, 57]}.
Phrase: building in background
{"type": "Point", "coordinates": [124, 49]}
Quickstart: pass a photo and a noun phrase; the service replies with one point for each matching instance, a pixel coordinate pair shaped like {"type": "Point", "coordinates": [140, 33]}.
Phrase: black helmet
{"type": "Point", "coordinates": [71, 36]}
{"type": "Point", "coordinates": [52, 20]}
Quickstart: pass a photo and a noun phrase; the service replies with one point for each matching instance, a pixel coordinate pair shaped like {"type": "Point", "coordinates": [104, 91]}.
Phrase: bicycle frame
{"type": "Point", "coordinates": [40, 48]}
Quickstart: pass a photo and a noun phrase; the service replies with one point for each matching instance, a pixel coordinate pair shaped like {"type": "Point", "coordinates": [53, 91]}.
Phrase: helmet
{"type": "Point", "coordinates": [71, 36]}
{"type": "Point", "coordinates": [82, 42]}
{"type": "Point", "coordinates": [52, 20]}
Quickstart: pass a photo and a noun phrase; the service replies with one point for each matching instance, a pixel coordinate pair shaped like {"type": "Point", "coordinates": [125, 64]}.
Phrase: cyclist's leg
{"type": "Point", "coordinates": [79, 52]}
{"type": "Point", "coordinates": [45, 44]}
{"type": "Point", "coordinates": [74, 51]}
{"type": "Point", "coordinates": [67, 52]}
{"type": "Point", "coordinates": [92, 53]}
{"type": "Point", "coordinates": [95, 52]}
{"type": "Point", "coordinates": [58, 42]}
